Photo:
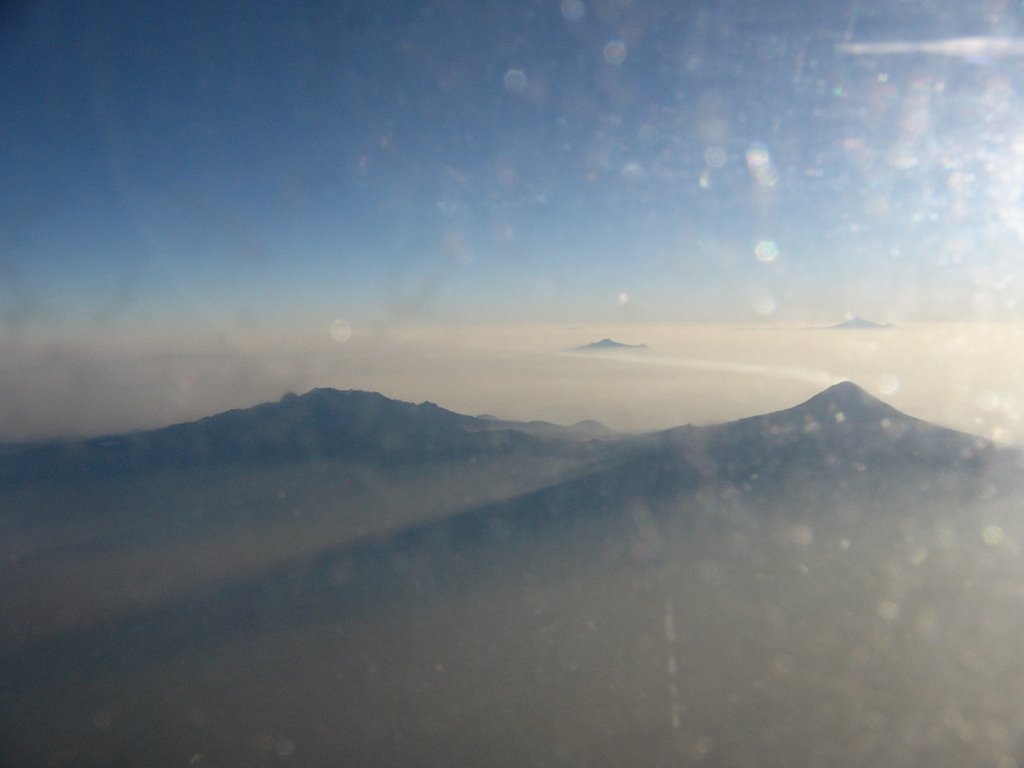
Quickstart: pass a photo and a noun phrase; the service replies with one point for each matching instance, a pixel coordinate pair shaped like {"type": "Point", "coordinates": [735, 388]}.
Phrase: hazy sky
{"type": "Point", "coordinates": [968, 376]}
{"type": "Point", "coordinates": [201, 171]}
{"type": "Point", "coordinates": [218, 163]}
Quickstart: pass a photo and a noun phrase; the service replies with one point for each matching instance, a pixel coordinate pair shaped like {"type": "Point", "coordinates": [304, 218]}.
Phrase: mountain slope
{"type": "Point", "coordinates": [838, 431]}
{"type": "Point", "coordinates": [814, 585]}
{"type": "Point", "coordinates": [322, 424]}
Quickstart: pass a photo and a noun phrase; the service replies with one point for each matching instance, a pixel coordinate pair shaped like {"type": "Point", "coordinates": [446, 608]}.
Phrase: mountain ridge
{"type": "Point", "coordinates": [322, 423]}
{"type": "Point", "coordinates": [326, 423]}
{"type": "Point", "coordinates": [840, 429]}
{"type": "Point", "coordinates": [800, 459]}
{"type": "Point", "coordinates": [629, 495]}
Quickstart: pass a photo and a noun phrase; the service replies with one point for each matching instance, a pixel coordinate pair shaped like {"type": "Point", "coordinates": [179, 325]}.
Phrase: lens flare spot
{"type": "Point", "coordinates": [760, 165]}
{"type": "Point", "coordinates": [341, 331]}
{"type": "Point", "coordinates": [802, 535]}
{"type": "Point", "coordinates": [632, 171]}
{"type": "Point", "coordinates": [515, 81]}
{"type": "Point", "coordinates": [992, 535]}
{"type": "Point", "coordinates": [888, 384]}
{"type": "Point", "coordinates": [573, 10]}
{"type": "Point", "coordinates": [764, 305]}
{"type": "Point", "coordinates": [615, 52]}
{"type": "Point", "coordinates": [1002, 437]}
{"type": "Point", "coordinates": [701, 748]}
{"type": "Point", "coordinates": [284, 747]}
{"type": "Point", "coordinates": [714, 157]}
{"type": "Point", "coordinates": [623, 298]}
{"type": "Point", "coordinates": [888, 610]}
{"type": "Point", "coordinates": [758, 156]}
{"type": "Point", "coordinates": [766, 251]}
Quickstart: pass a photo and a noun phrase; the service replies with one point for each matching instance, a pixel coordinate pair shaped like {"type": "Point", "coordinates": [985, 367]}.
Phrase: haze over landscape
{"type": "Point", "coordinates": [340, 576]}
{"type": "Point", "coordinates": [204, 208]}
{"type": "Point", "coordinates": [966, 376]}
{"type": "Point", "coordinates": [564, 383]}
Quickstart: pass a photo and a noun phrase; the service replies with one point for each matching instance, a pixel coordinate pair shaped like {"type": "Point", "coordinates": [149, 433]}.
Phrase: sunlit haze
{"type": "Point", "coordinates": [480, 383]}
{"type": "Point", "coordinates": [203, 208]}
{"type": "Point", "coordinates": [965, 376]}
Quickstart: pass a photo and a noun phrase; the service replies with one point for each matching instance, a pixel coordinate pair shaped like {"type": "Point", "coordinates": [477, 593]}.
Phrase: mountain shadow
{"type": "Point", "coordinates": [810, 586]}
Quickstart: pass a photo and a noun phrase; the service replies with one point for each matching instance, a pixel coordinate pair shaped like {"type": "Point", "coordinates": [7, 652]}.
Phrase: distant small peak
{"type": "Point", "coordinates": [858, 323]}
{"type": "Point", "coordinates": [608, 344]}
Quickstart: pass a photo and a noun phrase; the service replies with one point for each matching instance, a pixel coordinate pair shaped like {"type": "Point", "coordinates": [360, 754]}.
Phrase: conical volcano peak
{"type": "Point", "coordinates": [845, 390]}
{"type": "Point", "coordinates": [851, 401]}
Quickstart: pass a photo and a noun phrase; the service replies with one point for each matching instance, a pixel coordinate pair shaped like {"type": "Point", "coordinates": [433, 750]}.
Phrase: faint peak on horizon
{"type": "Point", "coordinates": [607, 344]}
{"type": "Point", "coordinates": [856, 323]}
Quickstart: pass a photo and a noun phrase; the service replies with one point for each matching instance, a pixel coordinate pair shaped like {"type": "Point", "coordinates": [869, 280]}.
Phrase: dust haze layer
{"type": "Point", "coordinates": [958, 375]}
{"type": "Point", "coordinates": [832, 584]}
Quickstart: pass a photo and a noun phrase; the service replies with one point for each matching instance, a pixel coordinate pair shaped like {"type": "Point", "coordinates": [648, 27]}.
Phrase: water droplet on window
{"type": "Point", "coordinates": [515, 81]}
{"type": "Point", "coordinates": [573, 10]}
{"type": "Point", "coordinates": [341, 331]}
{"type": "Point", "coordinates": [615, 52]}
{"type": "Point", "coordinates": [766, 251]}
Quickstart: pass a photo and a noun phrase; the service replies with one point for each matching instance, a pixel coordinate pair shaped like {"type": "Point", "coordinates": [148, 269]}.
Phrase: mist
{"type": "Point", "coordinates": [962, 376]}
{"type": "Point", "coordinates": [851, 619]}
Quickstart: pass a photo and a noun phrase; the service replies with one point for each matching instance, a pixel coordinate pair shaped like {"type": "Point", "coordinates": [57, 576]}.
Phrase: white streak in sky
{"type": "Point", "coordinates": [962, 47]}
{"type": "Point", "coordinates": [810, 375]}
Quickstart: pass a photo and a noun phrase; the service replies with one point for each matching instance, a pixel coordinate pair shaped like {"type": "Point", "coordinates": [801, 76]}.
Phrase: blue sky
{"type": "Point", "coordinates": [211, 164]}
